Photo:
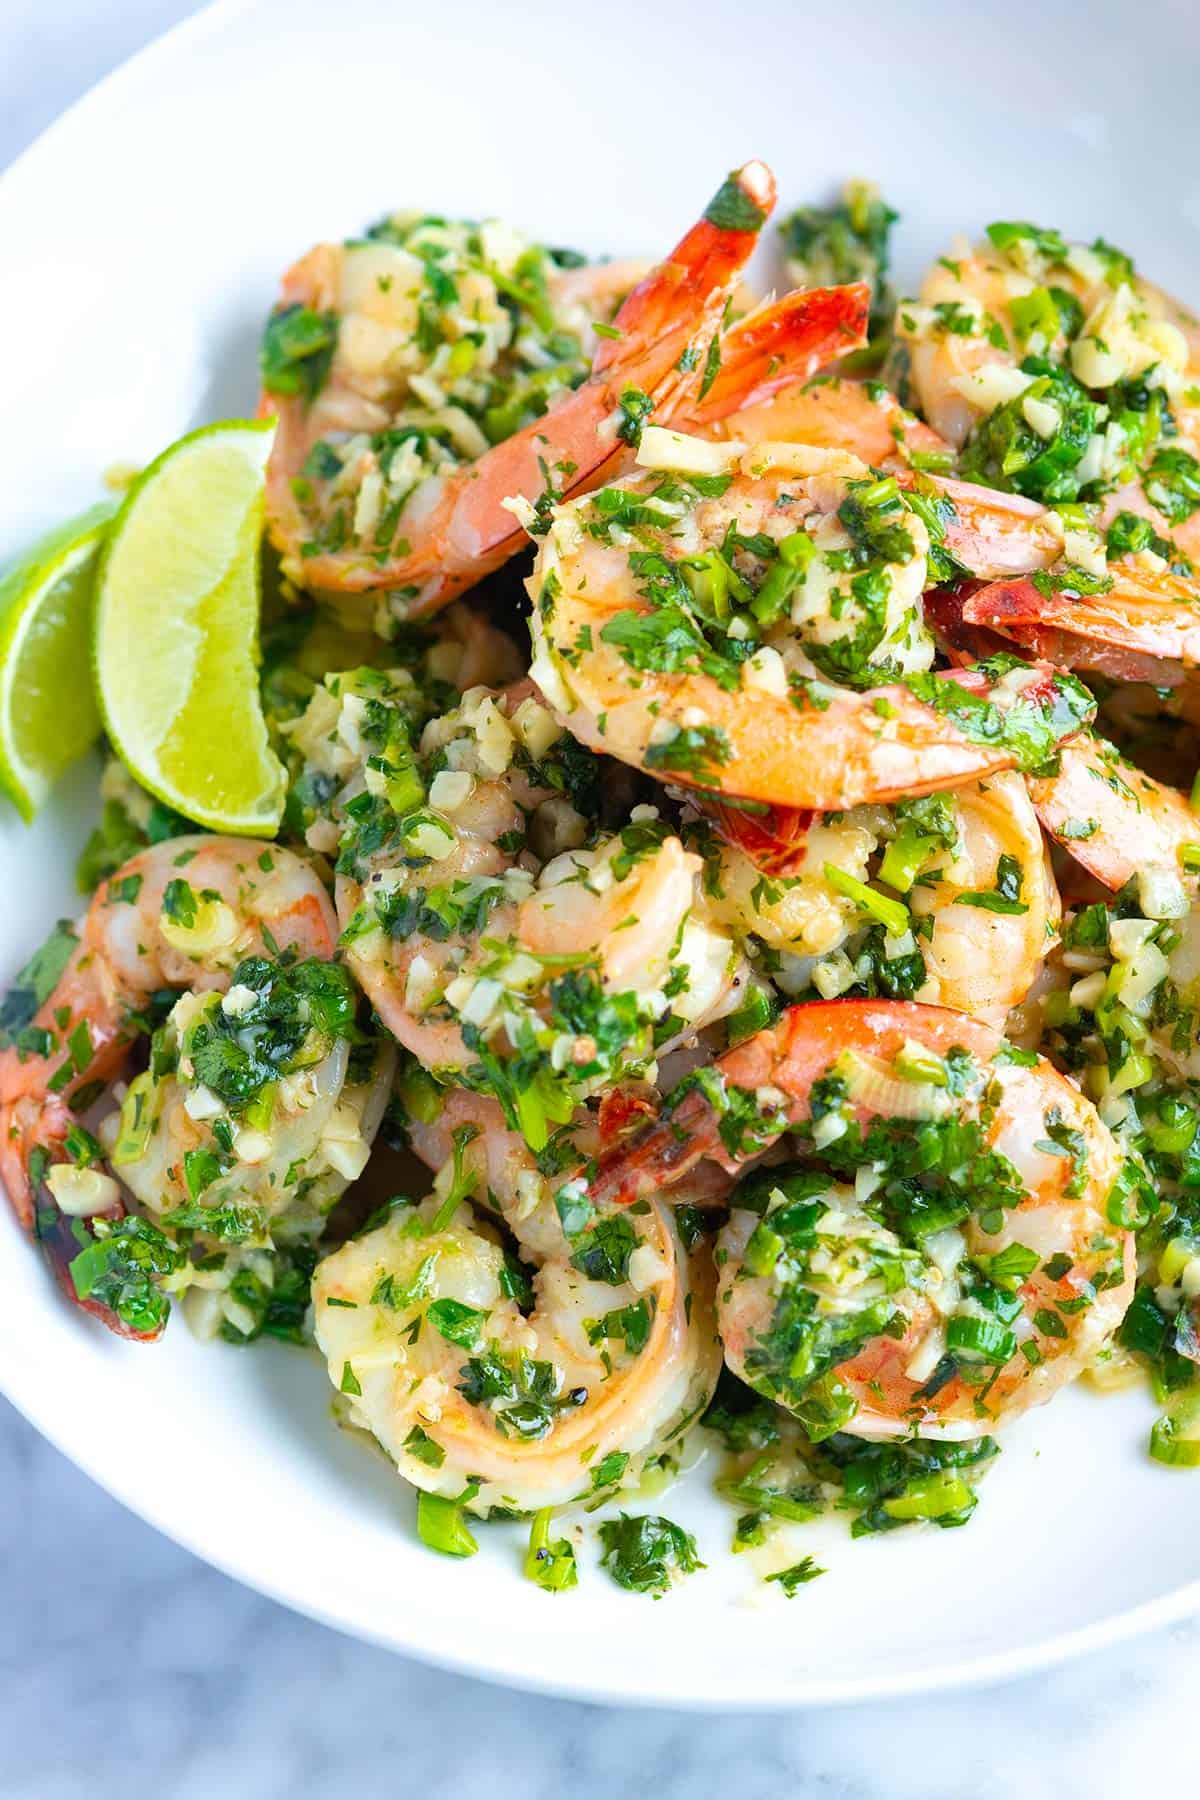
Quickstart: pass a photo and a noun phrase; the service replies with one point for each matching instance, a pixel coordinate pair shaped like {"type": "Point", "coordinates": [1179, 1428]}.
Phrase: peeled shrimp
{"type": "Point", "coordinates": [963, 337]}
{"type": "Point", "coordinates": [980, 311]}
{"type": "Point", "coordinates": [244, 899]}
{"type": "Point", "coordinates": [981, 948]}
{"type": "Point", "coordinates": [969, 1272]}
{"type": "Point", "coordinates": [624, 646]}
{"type": "Point", "coordinates": [496, 920]}
{"type": "Point", "coordinates": [453, 527]}
{"type": "Point", "coordinates": [516, 1402]}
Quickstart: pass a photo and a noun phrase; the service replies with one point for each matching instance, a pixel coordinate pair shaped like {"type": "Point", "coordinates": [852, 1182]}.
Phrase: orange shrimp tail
{"type": "Point", "coordinates": [962, 644]}
{"type": "Point", "coordinates": [774, 838]}
{"type": "Point", "coordinates": [780, 345]}
{"type": "Point", "coordinates": [661, 314]}
{"type": "Point", "coordinates": [1126, 636]}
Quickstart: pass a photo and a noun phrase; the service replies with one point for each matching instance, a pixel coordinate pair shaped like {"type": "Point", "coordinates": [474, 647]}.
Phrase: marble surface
{"type": "Point", "coordinates": [126, 1666]}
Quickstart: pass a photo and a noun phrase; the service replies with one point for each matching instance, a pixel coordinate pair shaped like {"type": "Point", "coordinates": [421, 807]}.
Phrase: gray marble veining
{"type": "Point", "coordinates": [128, 1666]}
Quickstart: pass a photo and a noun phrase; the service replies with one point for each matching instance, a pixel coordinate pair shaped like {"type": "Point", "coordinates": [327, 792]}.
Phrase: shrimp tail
{"type": "Point", "coordinates": [960, 643]}
{"type": "Point", "coordinates": [773, 837]}
{"type": "Point", "coordinates": [1130, 633]}
{"type": "Point", "coordinates": [656, 323]}
{"type": "Point", "coordinates": [782, 344]}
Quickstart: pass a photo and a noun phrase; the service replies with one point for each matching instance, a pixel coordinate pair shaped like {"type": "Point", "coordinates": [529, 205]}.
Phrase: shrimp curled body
{"type": "Point", "coordinates": [970, 1269]}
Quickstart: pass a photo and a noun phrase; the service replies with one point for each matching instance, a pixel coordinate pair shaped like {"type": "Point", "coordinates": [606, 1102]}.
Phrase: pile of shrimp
{"type": "Point", "coordinates": [767, 918]}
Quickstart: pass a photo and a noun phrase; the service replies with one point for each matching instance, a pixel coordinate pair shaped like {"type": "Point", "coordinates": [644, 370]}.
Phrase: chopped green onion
{"type": "Point", "coordinates": [550, 1564]}
{"type": "Point", "coordinates": [892, 914]}
{"type": "Point", "coordinates": [749, 1019]}
{"type": "Point", "coordinates": [762, 1251]}
{"type": "Point", "coordinates": [983, 1339]}
{"type": "Point", "coordinates": [931, 1497]}
{"type": "Point", "coordinates": [441, 1526]}
{"type": "Point", "coordinates": [1175, 1439]}
{"type": "Point", "coordinates": [903, 857]}
{"type": "Point", "coordinates": [915, 1063]}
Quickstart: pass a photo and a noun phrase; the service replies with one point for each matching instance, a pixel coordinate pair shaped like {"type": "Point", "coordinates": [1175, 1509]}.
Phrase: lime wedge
{"type": "Point", "coordinates": [176, 646]}
{"type": "Point", "coordinates": [48, 715]}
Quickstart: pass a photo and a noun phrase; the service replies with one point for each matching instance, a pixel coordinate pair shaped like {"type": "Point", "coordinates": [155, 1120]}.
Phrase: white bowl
{"type": "Point", "coordinates": [143, 238]}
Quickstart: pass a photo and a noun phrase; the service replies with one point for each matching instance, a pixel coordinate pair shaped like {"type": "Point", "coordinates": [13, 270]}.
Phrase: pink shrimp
{"type": "Point", "coordinates": [1028, 1277]}
{"type": "Point", "coordinates": [127, 949]}
{"type": "Point", "coordinates": [663, 348]}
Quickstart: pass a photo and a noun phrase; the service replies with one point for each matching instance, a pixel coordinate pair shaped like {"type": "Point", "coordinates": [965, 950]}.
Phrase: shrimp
{"type": "Point", "coordinates": [1131, 832]}
{"type": "Point", "coordinates": [696, 649]}
{"type": "Point", "coordinates": [497, 927]}
{"type": "Point", "coordinates": [250, 1172]}
{"type": "Point", "coordinates": [519, 1382]}
{"type": "Point", "coordinates": [863, 418]}
{"type": "Point", "coordinates": [968, 1271]}
{"type": "Point", "coordinates": [1134, 620]}
{"type": "Point", "coordinates": [986, 915]}
{"type": "Point", "coordinates": [180, 915]}
{"type": "Point", "coordinates": [1101, 410]}
{"type": "Point", "coordinates": [354, 502]}
{"type": "Point", "coordinates": [1114, 819]}
{"type": "Point", "coordinates": [1029, 293]}
{"type": "Point", "coordinates": [980, 908]}
{"type": "Point", "coordinates": [1143, 626]}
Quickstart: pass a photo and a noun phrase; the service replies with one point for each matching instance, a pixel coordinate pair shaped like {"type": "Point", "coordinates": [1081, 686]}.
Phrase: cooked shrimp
{"type": "Point", "coordinates": [384, 521]}
{"type": "Point", "coordinates": [861, 417]}
{"type": "Point", "coordinates": [254, 1157]}
{"type": "Point", "coordinates": [1113, 818]}
{"type": "Point", "coordinates": [969, 1271]}
{"type": "Point", "coordinates": [687, 632]}
{"type": "Point", "coordinates": [986, 915]}
{"type": "Point", "coordinates": [1132, 832]}
{"type": "Point", "coordinates": [487, 917]}
{"type": "Point", "coordinates": [1029, 293]}
{"type": "Point", "coordinates": [182, 915]}
{"type": "Point", "coordinates": [516, 1382]}
{"type": "Point", "coordinates": [1100, 410]}
{"type": "Point", "coordinates": [1144, 626]}
{"type": "Point", "coordinates": [980, 910]}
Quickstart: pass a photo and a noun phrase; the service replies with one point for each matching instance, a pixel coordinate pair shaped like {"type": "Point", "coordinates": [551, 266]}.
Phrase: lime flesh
{"type": "Point", "coordinates": [176, 631]}
{"type": "Point", "coordinates": [48, 713]}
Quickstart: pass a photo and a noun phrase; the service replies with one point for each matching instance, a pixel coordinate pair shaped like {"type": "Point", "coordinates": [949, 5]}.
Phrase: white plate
{"type": "Point", "coordinates": [143, 236]}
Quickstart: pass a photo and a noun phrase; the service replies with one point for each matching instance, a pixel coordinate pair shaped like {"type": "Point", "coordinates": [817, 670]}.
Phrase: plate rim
{"type": "Point", "coordinates": [1038, 1655]}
